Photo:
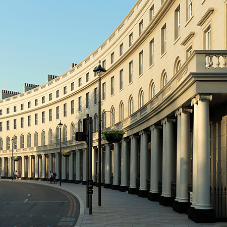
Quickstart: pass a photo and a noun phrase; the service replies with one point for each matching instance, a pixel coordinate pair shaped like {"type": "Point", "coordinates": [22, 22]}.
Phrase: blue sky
{"type": "Point", "coordinates": [41, 37]}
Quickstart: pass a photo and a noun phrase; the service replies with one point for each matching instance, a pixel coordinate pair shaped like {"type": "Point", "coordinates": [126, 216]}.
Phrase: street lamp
{"type": "Point", "coordinates": [12, 160]}
{"type": "Point", "coordinates": [60, 125]}
{"type": "Point", "coordinates": [99, 69]}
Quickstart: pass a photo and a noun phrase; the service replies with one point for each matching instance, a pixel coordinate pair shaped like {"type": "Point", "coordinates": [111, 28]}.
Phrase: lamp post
{"type": "Point", "coordinates": [60, 125]}
{"type": "Point", "coordinates": [12, 161]}
{"type": "Point", "coordinates": [99, 69]}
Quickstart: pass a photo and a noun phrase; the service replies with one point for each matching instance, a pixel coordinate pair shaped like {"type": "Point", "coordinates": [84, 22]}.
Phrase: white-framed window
{"type": "Point", "coordinates": [15, 142]}
{"type": "Point", "coordinates": [163, 39]}
{"type": "Point", "coordinates": [112, 58]}
{"type": "Point", "coordinates": [80, 82]}
{"type": "Point", "coordinates": [121, 79]}
{"type": "Point", "coordinates": [43, 99]}
{"type": "Point", "coordinates": [7, 125]}
{"type": "Point", "coordinates": [57, 93]}
{"type": "Point", "coordinates": [58, 135]}
{"type": "Point", "coordinates": [96, 123]}
{"type": "Point", "coordinates": [80, 103]}
{"type": "Point", "coordinates": [104, 63]}
{"type": "Point", "coordinates": [188, 52]}
{"type": "Point", "coordinates": [36, 102]}
{"type": "Point", "coordinates": [72, 106]}
{"type": "Point", "coordinates": [22, 141]}
{"type": "Point", "coordinates": [112, 85]}
{"type": "Point", "coordinates": [57, 112]}
{"type": "Point", "coordinates": [131, 39]}
{"type": "Point", "coordinates": [87, 77]}
{"type": "Point", "coordinates": [50, 114]}
{"type": "Point", "coordinates": [208, 38]}
{"type": "Point", "coordinates": [65, 109]}
{"type": "Point", "coordinates": [122, 111]}
{"type": "Point", "coordinates": [178, 66]}
{"type": "Point", "coordinates": [152, 90]}
{"type": "Point", "coordinates": [131, 106]}
{"type": "Point", "coordinates": [65, 133]}
{"type": "Point", "coordinates": [121, 49]}
{"type": "Point", "coordinates": [189, 9]}
{"type": "Point", "coordinates": [7, 110]}
{"type": "Point", "coordinates": [36, 139]}
{"type": "Point", "coordinates": [43, 138]}
{"type": "Point", "coordinates": [50, 97]}
{"type": "Point", "coordinates": [165, 79]}
{"type": "Point", "coordinates": [21, 106]}
{"type": "Point", "coordinates": [29, 139]}
{"type": "Point", "coordinates": [87, 100]}
{"type": "Point", "coordinates": [51, 136]}
{"type": "Point", "coordinates": [15, 109]}
{"type": "Point", "coordinates": [0, 111]}
{"type": "Point", "coordinates": [140, 27]}
{"type": "Point", "coordinates": [130, 72]}
{"type": "Point", "coordinates": [152, 52]}
{"type": "Point", "coordinates": [104, 120]}
{"type": "Point", "coordinates": [1, 144]}
{"type": "Point", "coordinates": [29, 104]}
{"type": "Point", "coordinates": [104, 91]}
{"type": "Point", "coordinates": [113, 115]}
{"type": "Point", "coordinates": [73, 131]}
{"type": "Point", "coordinates": [141, 98]}
{"type": "Point", "coordinates": [36, 119]}
{"type": "Point", "coordinates": [80, 128]}
{"type": "Point", "coordinates": [15, 123]}
{"type": "Point", "coordinates": [141, 63]}
{"type": "Point", "coordinates": [43, 117]}
{"type": "Point", "coordinates": [151, 12]}
{"type": "Point", "coordinates": [22, 122]}
{"type": "Point", "coordinates": [177, 22]}
{"type": "Point", "coordinates": [0, 126]}
{"type": "Point", "coordinates": [29, 120]}
{"type": "Point", "coordinates": [65, 90]}
{"type": "Point", "coordinates": [95, 96]}
{"type": "Point", "coordinates": [72, 86]}
{"type": "Point", "coordinates": [7, 143]}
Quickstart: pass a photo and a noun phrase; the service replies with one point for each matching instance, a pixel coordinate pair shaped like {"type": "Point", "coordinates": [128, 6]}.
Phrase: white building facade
{"type": "Point", "coordinates": [166, 86]}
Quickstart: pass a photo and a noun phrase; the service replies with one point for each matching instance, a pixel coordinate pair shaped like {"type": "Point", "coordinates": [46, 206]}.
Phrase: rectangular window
{"type": "Point", "coordinates": [87, 77]}
{"type": "Point", "coordinates": [57, 112]}
{"type": "Point", "coordinates": [95, 96]}
{"type": "Point", "coordinates": [65, 90]}
{"type": "Point", "coordinates": [29, 120]}
{"type": "Point", "coordinates": [7, 110]}
{"type": "Point", "coordinates": [188, 52]}
{"type": "Point", "coordinates": [104, 91]}
{"type": "Point", "coordinates": [177, 22]}
{"type": "Point", "coordinates": [7, 125]}
{"type": "Point", "coordinates": [112, 85]}
{"type": "Point", "coordinates": [50, 97]}
{"type": "Point", "coordinates": [36, 102]}
{"type": "Point", "coordinates": [1, 112]}
{"type": "Point", "coordinates": [65, 110]}
{"type": "Point", "coordinates": [121, 49]}
{"type": "Point", "coordinates": [130, 72]}
{"type": "Point", "coordinates": [130, 39]}
{"type": "Point", "coordinates": [22, 106]}
{"type": "Point", "coordinates": [121, 79]}
{"type": "Point", "coordinates": [15, 108]}
{"type": "Point", "coordinates": [152, 52]}
{"type": "Point", "coordinates": [208, 38]}
{"type": "Point", "coordinates": [22, 141]}
{"type": "Point", "coordinates": [50, 114]}
{"type": "Point", "coordinates": [43, 117]}
{"type": "Point", "coordinates": [80, 82]}
{"type": "Point", "coordinates": [151, 12]}
{"type": "Point", "coordinates": [140, 27]}
{"type": "Point", "coordinates": [72, 86]}
{"type": "Point", "coordinates": [87, 100]}
{"type": "Point", "coordinates": [15, 123]}
{"type": "Point", "coordinates": [36, 119]}
{"type": "Point", "coordinates": [163, 39]}
{"type": "Point", "coordinates": [29, 104]}
{"type": "Point", "coordinates": [79, 103]}
{"type": "Point", "coordinates": [43, 99]}
{"type": "Point", "coordinates": [57, 93]}
{"type": "Point", "coordinates": [141, 63]}
{"type": "Point", "coordinates": [95, 73]}
{"type": "Point", "coordinates": [189, 9]}
{"type": "Point", "coordinates": [22, 122]}
{"type": "Point", "coordinates": [104, 64]}
{"type": "Point", "coordinates": [112, 58]}
{"type": "Point", "coordinates": [0, 126]}
{"type": "Point", "coordinates": [72, 107]}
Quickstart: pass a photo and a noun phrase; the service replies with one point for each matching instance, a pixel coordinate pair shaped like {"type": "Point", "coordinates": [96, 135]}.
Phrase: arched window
{"type": "Point", "coordinates": [43, 138]}
{"type": "Point", "coordinates": [178, 66]}
{"type": "Point", "coordinates": [73, 131]}
{"type": "Point", "coordinates": [141, 98]}
{"type": "Point", "coordinates": [164, 79]}
{"type": "Point", "coordinates": [80, 126]}
{"type": "Point", "coordinates": [51, 136]}
{"type": "Point", "coordinates": [152, 90]}
{"type": "Point", "coordinates": [113, 116]}
{"type": "Point", "coordinates": [131, 105]}
{"type": "Point", "coordinates": [7, 143]}
{"type": "Point", "coordinates": [96, 123]}
{"type": "Point", "coordinates": [29, 139]}
{"type": "Point", "coordinates": [1, 144]}
{"type": "Point", "coordinates": [122, 111]}
{"type": "Point", "coordinates": [65, 133]}
{"type": "Point", "coordinates": [36, 139]}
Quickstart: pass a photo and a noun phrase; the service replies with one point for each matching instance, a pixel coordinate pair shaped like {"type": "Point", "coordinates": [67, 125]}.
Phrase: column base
{"type": "Point", "coordinates": [42, 179]}
{"type": "Point", "coordinates": [142, 193]}
{"type": "Point", "coordinates": [165, 201]}
{"type": "Point", "coordinates": [77, 181]}
{"type": "Point", "coordinates": [36, 178]}
{"type": "Point", "coordinates": [70, 181]}
{"type": "Point", "coordinates": [133, 190]}
{"type": "Point", "coordinates": [114, 187]}
{"type": "Point", "coordinates": [180, 207]}
{"type": "Point", "coordinates": [153, 196]}
{"type": "Point", "coordinates": [97, 184]}
{"type": "Point", "coordinates": [123, 188]}
{"type": "Point", "coordinates": [107, 185]}
{"type": "Point", "coordinates": [201, 216]}
{"type": "Point", "coordinates": [23, 178]}
{"type": "Point", "coordinates": [84, 182]}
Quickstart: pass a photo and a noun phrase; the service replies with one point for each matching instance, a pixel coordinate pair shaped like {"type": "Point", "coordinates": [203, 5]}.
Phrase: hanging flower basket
{"type": "Point", "coordinates": [114, 135]}
{"type": "Point", "coordinates": [66, 153]}
{"type": "Point", "coordinates": [16, 158]}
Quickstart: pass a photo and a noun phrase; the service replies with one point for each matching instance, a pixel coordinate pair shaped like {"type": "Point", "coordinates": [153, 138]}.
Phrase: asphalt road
{"type": "Point", "coordinates": [27, 205]}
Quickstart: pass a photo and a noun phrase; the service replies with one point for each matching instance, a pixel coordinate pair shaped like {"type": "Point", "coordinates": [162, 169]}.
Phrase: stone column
{"type": "Point", "coordinates": [71, 167]}
{"type": "Point", "coordinates": [108, 166]}
{"type": "Point", "coordinates": [9, 167]}
{"type": "Point", "coordinates": [124, 165]}
{"type": "Point", "coordinates": [94, 164]}
{"type": "Point", "coordinates": [50, 163]}
{"type": "Point", "coordinates": [44, 166]}
{"type": "Point", "coordinates": [155, 175]}
{"type": "Point", "coordinates": [57, 165]}
{"type": "Point", "coordinates": [63, 167]}
{"type": "Point", "coordinates": [36, 166]}
{"type": "Point", "coordinates": [78, 180]}
{"type": "Point", "coordinates": [84, 166]}
{"type": "Point", "coordinates": [133, 164]}
{"type": "Point", "coordinates": [3, 167]}
{"type": "Point", "coordinates": [143, 191]}
{"type": "Point", "coordinates": [29, 166]}
{"type": "Point", "coordinates": [203, 211]}
{"type": "Point", "coordinates": [22, 167]}
{"type": "Point", "coordinates": [167, 162]}
{"type": "Point", "coordinates": [116, 167]}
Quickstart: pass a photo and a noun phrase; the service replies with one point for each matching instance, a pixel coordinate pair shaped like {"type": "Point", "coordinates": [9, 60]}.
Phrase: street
{"type": "Point", "coordinates": [27, 205]}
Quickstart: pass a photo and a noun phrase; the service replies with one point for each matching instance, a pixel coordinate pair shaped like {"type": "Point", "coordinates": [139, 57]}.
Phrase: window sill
{"type": "Point", "coordinates": [140, 75]}
{"type": "Point", "coordinates": [163, 54]}
{"type": "Point", "coordinates": [176, 40]}
{"type": "Point", "coordinates": [151, 66]}
{"type": "Point", "coordinates": [112, 95]}
{"type": "Point", "coordinates": [189, 20]}
{"type": "Point", "coordinates": [121, 89]}
{"type": "Point", "coordinates": [130, 83]}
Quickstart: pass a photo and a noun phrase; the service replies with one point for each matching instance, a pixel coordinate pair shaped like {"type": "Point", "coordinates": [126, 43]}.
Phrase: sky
{"type": "Point", "coordinates": [41, 37]}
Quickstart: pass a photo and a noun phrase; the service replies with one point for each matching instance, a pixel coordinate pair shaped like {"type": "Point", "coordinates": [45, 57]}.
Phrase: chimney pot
{"type": "Point", "coordinates": [72, 65]}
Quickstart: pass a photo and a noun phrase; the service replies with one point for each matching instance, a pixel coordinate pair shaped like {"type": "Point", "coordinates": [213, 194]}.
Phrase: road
{"type": "Point", "coordinates": [27, 205]}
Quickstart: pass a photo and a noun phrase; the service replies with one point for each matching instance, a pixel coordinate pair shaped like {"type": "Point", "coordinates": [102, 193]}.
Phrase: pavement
{"type": "Point", "coordinates": [123, 209]}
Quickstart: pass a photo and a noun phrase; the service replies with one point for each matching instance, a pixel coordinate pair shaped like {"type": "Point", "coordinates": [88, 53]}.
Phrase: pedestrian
{"type": "Point", "coordinates": [51, 177]}
{"type": "Point", "coordinates": [54, 175]}
{"type": "Point", "coordinates": [16, 175]}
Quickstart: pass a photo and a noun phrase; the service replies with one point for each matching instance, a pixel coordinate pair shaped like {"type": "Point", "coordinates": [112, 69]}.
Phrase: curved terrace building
{"type": "Point", "coordinates": [166, 86]}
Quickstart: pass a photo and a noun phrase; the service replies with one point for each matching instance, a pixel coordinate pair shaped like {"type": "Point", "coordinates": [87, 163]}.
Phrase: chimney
{"type": "Point", "coordinates": [72, 65]}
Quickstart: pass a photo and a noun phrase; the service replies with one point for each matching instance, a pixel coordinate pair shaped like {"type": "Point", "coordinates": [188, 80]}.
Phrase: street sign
{"type": "Point", "coordinates": [80, 136]}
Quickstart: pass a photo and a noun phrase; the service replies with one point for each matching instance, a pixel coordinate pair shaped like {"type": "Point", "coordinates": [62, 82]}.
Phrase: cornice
{"type": "Point", "coordinates": [205, 16]}
{"type": "Point", "coordinates": [187, 39]}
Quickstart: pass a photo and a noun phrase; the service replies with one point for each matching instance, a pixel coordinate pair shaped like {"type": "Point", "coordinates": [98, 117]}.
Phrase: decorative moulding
{"type": "Point", "coordinates": [205, 16]}
{"type": "Point", "coordinates": [186, 40]}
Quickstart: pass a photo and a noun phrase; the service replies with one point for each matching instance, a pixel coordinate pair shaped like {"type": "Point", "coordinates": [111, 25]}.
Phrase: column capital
{"type": "Point", "coordinates": [186, 110]}
{"type": "Point", "coordinates": [133, 136]}
{"type": "Point", "coordinates": [143, 132]}
{"type": "Point", "coordinates": [152, 127]}
{"type": "Point", "coordinates": [163, 121]}
{"type": "Point", "coordinates": [178, 112]}
{"type": "Point", "coordinates": [204, 97]}
{"type": "Point", "coordinates": [194, 101]}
